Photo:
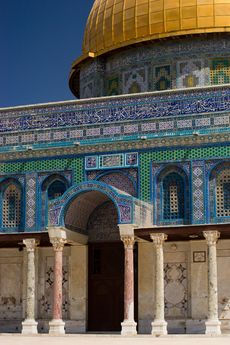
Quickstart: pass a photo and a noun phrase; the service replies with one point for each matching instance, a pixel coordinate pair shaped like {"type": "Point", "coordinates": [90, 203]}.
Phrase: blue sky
{"type": "Point", "coordinates": [39, 39]}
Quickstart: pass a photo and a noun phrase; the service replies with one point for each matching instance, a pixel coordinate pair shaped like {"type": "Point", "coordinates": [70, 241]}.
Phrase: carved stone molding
{"type": "Point", "coordinates": [128, 241]}
{"type": "Point", "coordinates": [58, 243]}
{"type": "Point", "coordinates": [158, 239]}
{"type": "Point", "coordinates": [31, 244]}
{"type": "Point", "coordinates": [211, 237]}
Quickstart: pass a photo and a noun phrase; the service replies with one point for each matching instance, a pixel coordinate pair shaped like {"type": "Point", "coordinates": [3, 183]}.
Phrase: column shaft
{"type": "Point", "coordinates": [30, 286]}
{"type": "Point", "coordinates": [29, 326]}
{"type": "Point", "coordinates": [159, 326]}
{"type": "Point", "coordinates": [57, 295]}
{"type": "Point", "coordinates": [159, 284]}
{"type": "Point", "coordinates": [57, 326]}
{"type": "Point", "coordinates": [128, 325]}
{"type": "Point", "coordinates": [129, 285]}
{"type": "Point", "coordinates": [213, 323]}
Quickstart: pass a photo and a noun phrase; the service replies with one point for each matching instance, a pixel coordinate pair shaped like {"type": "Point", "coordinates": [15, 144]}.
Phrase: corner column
{"type": "Point", "coordinates": [57, 325]}
{"type": "Point", "coordinates": [213, 323]}
{"type": "Point", "coordinates": [29, 326]}
{"type": "Point", "coordinates": [128, 326]}
{"type": "Point", "coordinates": [159, 325]}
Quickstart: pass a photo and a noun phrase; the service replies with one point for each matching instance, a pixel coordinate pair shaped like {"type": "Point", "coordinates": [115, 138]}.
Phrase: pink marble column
{"type": "Point", "coordinates": [128, 325]}
{"type": "Point", "coordinates": [57, 325]}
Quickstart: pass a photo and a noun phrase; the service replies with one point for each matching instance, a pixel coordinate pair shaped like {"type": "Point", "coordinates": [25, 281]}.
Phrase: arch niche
{"type": "Point", "coordinates": [96, 209]}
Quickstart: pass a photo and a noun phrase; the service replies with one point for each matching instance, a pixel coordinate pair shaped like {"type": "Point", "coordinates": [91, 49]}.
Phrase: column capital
{"type": "Point", "coordinates": [58, 243]}
{"type": "Point", "coordinates": [31, 244]}
{"type": "Point", "coordinates": [128, 241]}
{"type": "Point", "coordinates": [211, 237]}
{"type": "Point", "coordinates": [158, 238]}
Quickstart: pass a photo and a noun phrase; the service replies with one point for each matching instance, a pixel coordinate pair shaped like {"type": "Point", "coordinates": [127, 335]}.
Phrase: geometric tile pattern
{"type": "Point", "coordinates": [62, 164]}
{"type": "Point", "coordinates": [183, 154]}
{"type": "Point", "coordinates": [11, 206]}
{"type": "Point", "coordinates": [198, 179]}
{"type": "Point", "coordinates": [223, 193]}
{"type": "Point", "coordinates": [162, 77]}
{"type": "Point", "coordinates": [173, 196]}
{"type": "Point", "coordinates": [119, 181]}
{"type": "Point", "coordinates": [190, 74]}
{"type": "Point", "coordinates": [220, 71]}
{"type": "Point", "coordinates": [31, 200]}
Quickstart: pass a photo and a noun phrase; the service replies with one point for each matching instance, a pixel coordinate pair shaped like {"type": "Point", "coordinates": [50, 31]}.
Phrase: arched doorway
{"type": "Point", "coordinates": [105, 270]}
{"type": "Point", "coordinates": [94, 214]}
{"type": "Point", "coordinates": [94, 209]}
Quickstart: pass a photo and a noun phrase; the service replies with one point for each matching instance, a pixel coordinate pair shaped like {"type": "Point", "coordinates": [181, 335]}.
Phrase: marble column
{"type": "Point", "coordinates": [213, 323]}
{"type": "Point", "coordinates": [57, 326]}
{"type": "Point", "coordinates": [128, 326]}
{"type": "Point", "coordinates": [29, 326]}
{"type": "Point", "coordinates": [159, 325]}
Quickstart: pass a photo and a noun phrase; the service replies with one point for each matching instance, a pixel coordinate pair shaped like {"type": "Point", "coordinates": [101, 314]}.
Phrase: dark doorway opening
{"type": "Point", "coordinates": [106, 287]}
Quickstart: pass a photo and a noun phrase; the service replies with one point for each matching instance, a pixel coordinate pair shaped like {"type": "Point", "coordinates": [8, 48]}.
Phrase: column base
{"type": "Point", "coordinates": [159, 327]}
{"type": "Point", "coordinates": [213, 327]}
{"type": "Point", "coordinates": [128, 327]}
{"type": "Point", "coordinates": [56, 327]}
{"type": "Point", "coordinates": [29, 326]}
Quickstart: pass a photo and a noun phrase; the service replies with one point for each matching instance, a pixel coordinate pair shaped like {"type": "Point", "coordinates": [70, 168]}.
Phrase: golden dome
{"type": "Point", "coordinates": [117, 23]}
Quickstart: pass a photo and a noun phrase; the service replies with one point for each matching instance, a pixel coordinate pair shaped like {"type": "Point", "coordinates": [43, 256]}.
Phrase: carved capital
{"type": "Point", "coordinates": [128, 241]}
{"type": "Point", "coordinates": [31, 244]}
{"type": "Point", "coordinates": [211, 237]}
{"type": "Point", "coordinates": [158, 239]}
{"type": "Point", "coordinates": [58, 243]}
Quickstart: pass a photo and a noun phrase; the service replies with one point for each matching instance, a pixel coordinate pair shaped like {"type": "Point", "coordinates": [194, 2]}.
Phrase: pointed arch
{"type": "Point", "coordinates": [172, 202]}
{"type": "Point", "coordinates": [53, 187]}
{"type": "Point", "coordinates": [11, 204]}
{"type": "Point", "coordinates": [219, 192]}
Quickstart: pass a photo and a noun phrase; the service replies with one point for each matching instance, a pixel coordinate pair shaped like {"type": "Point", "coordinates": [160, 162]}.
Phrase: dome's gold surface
{"type": "Point", "coordinates": [117, 23]}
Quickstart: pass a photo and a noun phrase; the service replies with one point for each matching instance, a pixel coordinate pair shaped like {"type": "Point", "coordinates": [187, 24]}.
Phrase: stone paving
{"type": "Point", "coordinates": [92, 339]}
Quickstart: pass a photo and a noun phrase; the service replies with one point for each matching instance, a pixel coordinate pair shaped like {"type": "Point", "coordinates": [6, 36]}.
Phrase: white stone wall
{"type": "Point", "coordinates": [185, 286]}
{"type": "Point", "coordinates": [186, 291]}
{"type": "Point", "coordinates": [11, 289]}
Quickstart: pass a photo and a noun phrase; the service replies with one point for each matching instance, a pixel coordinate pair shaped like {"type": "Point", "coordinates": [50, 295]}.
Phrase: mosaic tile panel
{"type": "Point", "coordinates": [113, 86]}
{"type": "Point", "coordinates": [118, 160]}
{"type": "Point", "coordinates": [102, 224]}
{"type": "Point", "coordinates": [31, 201]}
{"type": "Point", "coordinates": [76, 164]}
{"type": "Point", "coordinates": [222, 195]}
{"type": "Point", "coordinates": [135, 81]}
{"type": "Point", "coordinates": [170, 193]}
{"type": "Point", "coordinates": [76, 134]}
{"type": "Point", "coordinates": [124, 202]}
{"type": "Point", "coordinates": [198, 178]}
{"type": "Point", "coordinates": [220, 71]}
{"type": "Point", "coordinates": [139, 108]}
{"type": "Point", "coordinates": [174, 155]}
{"type": "Point", "coordinates": [112, 130]}
{"type": "Point", "coordinates": [108, 161]}
{"type": "Point", "coordinates": [12, 207]}
{"type": "Point", "coordinates": [190, 73]}
{"type": "Point", "coordinates": [131, 129]}
{"type": "Point", "coordinates": [60, 135]}
{"type": "Point", "coordinates": [119, 181]}
{"type": "Point", "coordinates": [162, 77]}
{"type": "Point", "coordinates": [155, 127]}
{"type": "Point", "coordinates": [132, 174]}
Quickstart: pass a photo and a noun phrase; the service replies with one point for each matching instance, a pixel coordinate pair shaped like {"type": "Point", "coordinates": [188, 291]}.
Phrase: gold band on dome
{"type": "Point", "coordinates": [117, 23]}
